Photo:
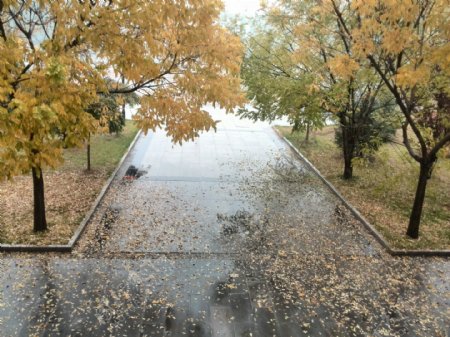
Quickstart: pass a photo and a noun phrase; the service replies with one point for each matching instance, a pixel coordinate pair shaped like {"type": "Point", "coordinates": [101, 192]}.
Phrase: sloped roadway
{"type": "Point", "coordinates": [229, 235]}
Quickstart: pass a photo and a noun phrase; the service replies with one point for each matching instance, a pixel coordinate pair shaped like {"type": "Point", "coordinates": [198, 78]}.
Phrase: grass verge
{"type": "Point", "coordinates": [383, 190]}
{"type": "Point", "coordinates": [69, 191]}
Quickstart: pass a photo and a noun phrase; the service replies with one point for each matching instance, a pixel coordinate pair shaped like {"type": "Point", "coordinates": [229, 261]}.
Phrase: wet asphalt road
{"type": "Point", "coordinates": [230, 235]}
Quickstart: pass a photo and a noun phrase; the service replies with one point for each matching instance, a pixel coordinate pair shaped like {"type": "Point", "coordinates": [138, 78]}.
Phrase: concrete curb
{"type": "Point", "coordinates": [76, 236]}
{"type": "Point", "coordinates": [357, 214]}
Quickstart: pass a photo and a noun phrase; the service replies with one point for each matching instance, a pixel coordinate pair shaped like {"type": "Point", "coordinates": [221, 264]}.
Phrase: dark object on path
{"type": "Point", "coordinates": [133, 173]}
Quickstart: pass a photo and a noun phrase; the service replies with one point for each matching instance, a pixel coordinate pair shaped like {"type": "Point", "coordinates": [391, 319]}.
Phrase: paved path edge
{"type": "Point", "coordinates": [357, 214]}
{"type": "Point", "coordinates": [76, 236]}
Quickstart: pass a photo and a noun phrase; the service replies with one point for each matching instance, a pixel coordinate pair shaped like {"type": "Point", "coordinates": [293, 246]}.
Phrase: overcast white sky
{"type": "Point", "coordinates": [242, 7]}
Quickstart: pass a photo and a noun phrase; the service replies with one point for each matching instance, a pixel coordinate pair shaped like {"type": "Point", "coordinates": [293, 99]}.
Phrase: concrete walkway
{"type": "Point", "coordinates": [230, 235]}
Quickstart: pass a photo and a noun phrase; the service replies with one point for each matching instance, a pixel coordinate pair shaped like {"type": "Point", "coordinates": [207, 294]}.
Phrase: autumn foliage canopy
{"type": "Point", "coordinates": [56, 55]}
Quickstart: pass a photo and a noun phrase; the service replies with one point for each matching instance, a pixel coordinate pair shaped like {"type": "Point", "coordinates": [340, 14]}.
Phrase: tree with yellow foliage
{"type": "Point", "coordinates": [407, 44]}
{"type": "Point", "coordinates": [55, 55]}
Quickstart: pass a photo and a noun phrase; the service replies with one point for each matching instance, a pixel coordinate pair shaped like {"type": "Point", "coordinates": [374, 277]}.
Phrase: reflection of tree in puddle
{"type": "Point", "coordinates": [47, 311]}
{"type": "Point", "coordinates": [102, 231]}
{"type": "Point", "coordinates": [241, 221]}
{"type": "Point", "coordinates": [246, 226]}
{"type": "Point", "coordinates": [288, 170]}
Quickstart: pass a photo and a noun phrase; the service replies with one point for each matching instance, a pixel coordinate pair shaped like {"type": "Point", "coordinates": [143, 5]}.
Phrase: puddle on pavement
{"type": "Point", "coordinates": [247, 232]}
{"type": "Point", "coordinates": [240, 222]}
{"type": "Point", "coordinates": [322, 283]}
{"type": "Point", "coordinates": [289, 170]}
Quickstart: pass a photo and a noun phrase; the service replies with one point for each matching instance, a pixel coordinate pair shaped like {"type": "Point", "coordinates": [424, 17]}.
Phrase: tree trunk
{"type": "Point", "coordinates": [416, 213]}
{"type": "Point", "coordinates": [88, 150]}
{"type": "Point", "coordinates": [348, 167]}
{"type": "Point", "coordinates": [123, 111]}
{"type": "Point", "coordinates": [308, 129]}
{"type": "Point", "coordinates": [348, 148]}
{"type": "Point", "coordinates": [123, 104]}
{"type": "Point", "coordinates": [40, 221]}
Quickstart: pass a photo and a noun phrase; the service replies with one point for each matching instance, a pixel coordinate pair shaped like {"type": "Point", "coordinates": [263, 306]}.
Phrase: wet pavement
{"type": "Point", "coordinates": [229, 235]}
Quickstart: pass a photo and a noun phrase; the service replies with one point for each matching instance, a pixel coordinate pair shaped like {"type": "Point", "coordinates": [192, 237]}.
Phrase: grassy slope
{"type": "Point", "coordinates": [384, 190]}
{"type": "Point", "coordinates": [70, 191]}
{"type": "Point", "coordinates": [106, 150]}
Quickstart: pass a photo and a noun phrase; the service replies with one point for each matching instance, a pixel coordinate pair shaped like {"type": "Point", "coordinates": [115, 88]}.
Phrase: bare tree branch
{"type": "Point", "coordinates": [2, 28]}
{"type": "Point", "coordinates": [405, 109]}
{"type": "Point", "coordinates": [142, 85]}
{"type": "Point", "coordinates": [25, 32]}
{"type": "Point", "coordinates": [408, 144]}
{"type": "Point", "coordinates": [440, 145]}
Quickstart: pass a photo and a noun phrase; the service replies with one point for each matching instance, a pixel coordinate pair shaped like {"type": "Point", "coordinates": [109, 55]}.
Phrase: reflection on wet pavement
{"type": "Point", "coordinates": [230, 235]}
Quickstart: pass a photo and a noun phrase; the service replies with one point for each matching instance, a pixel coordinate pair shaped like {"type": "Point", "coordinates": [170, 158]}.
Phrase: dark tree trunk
{"type": "Point", "coordinates": [308, 129]}
{"type": "Point", "coordinates": [123, 104]}
{"type": "Point", "coordinates": [40, 221]}
{"type": "Point", "coordinates": [348, 149]}
{"type": "Point", "coordinates": [416, 213]}
{"type": "Point", "coordinates": [348, 167]}
{"type": "Point", "coordinates": [88, 152]}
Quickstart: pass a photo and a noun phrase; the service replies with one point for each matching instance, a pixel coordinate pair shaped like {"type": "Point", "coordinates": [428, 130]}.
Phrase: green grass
{"type": "Point", "coordinates": [383, 190]}
{"type": "Point", "coordinates": [106, 150]}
